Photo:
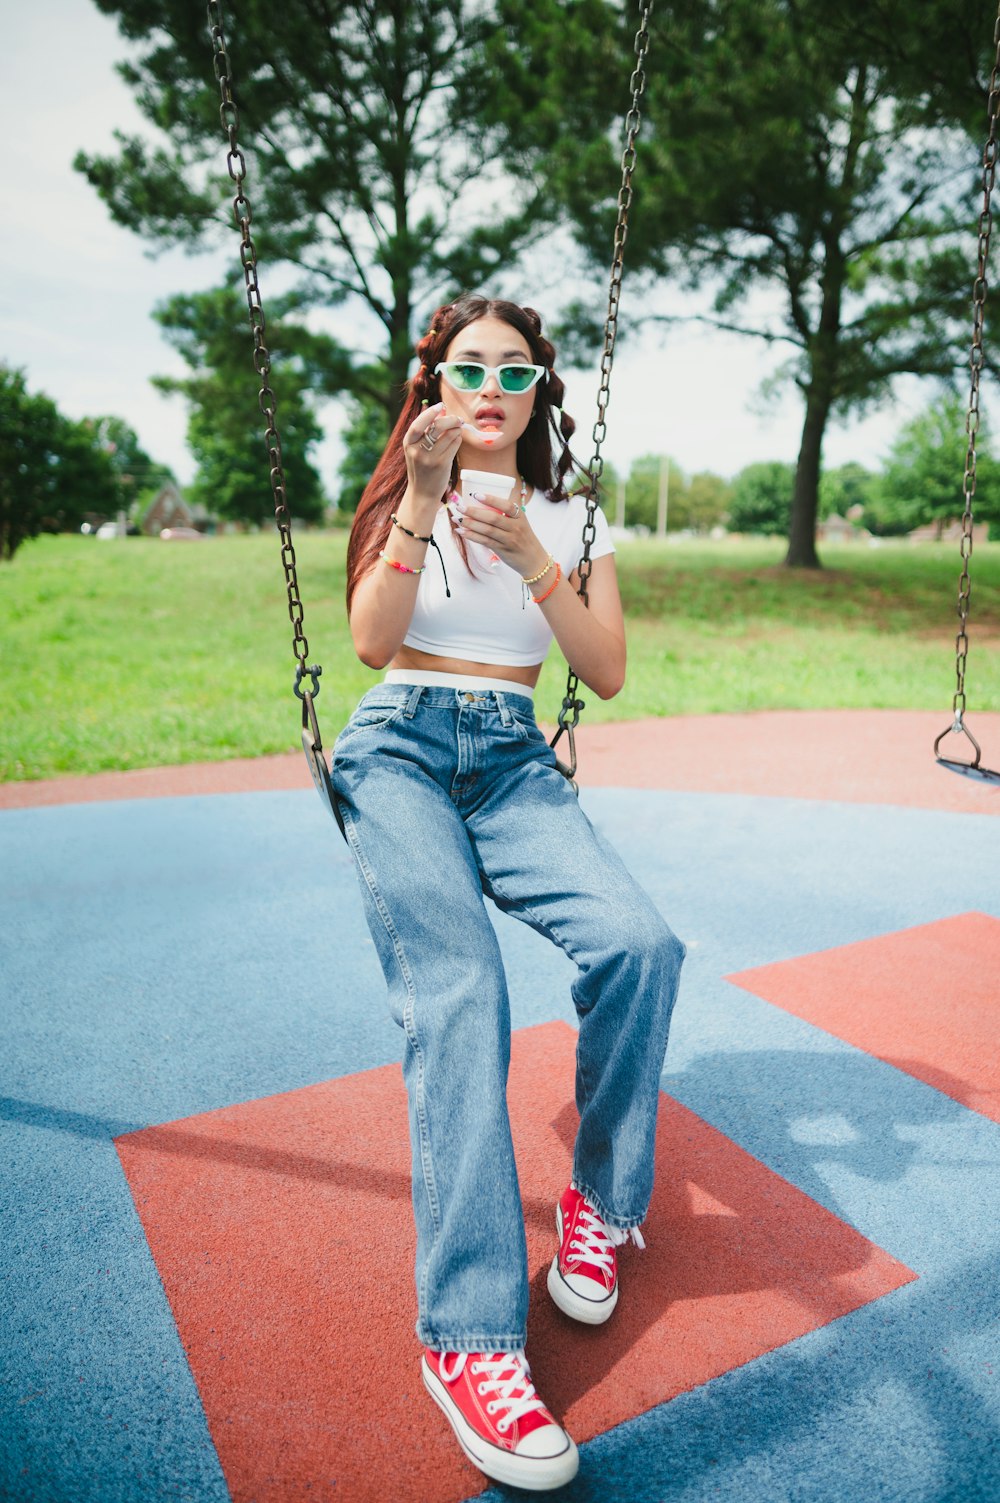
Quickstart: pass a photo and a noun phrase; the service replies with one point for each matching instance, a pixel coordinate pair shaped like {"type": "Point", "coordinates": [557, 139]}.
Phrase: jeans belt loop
{"type": "Point", "coordinates": [506, 718]}
{"type": "Point", "coordinates": [413, 701]}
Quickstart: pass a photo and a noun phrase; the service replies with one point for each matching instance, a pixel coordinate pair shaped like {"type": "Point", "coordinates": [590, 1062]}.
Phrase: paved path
{"type": "Point", "coordinates": [205, 1245]}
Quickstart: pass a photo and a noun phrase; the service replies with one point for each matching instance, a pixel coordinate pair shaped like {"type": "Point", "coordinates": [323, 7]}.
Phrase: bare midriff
{"type": "Point", "coordinates": [412, 657]}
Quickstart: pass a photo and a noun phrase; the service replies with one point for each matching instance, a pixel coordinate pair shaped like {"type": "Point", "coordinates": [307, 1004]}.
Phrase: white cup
{"type": "Point", "coordinates": [477, 483]}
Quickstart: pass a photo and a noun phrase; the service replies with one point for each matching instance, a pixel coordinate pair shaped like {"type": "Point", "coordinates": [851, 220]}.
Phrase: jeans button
{"type": "Point", "coordinates": [469, 698]}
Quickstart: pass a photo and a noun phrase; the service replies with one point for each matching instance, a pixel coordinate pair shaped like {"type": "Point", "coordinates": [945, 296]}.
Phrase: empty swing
{"type": "Point", "coordinates": [569, 714]}
{"type": "Point", "coordinates": [975, 767]}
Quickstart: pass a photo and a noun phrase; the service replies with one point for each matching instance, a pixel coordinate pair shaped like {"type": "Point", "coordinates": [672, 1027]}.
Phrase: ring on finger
{"type": "Point", "coordinates": [427, 442]}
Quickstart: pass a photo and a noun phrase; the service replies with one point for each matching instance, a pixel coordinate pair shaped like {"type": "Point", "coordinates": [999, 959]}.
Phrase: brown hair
{"type": "Point", "coordinates": [385, 489]}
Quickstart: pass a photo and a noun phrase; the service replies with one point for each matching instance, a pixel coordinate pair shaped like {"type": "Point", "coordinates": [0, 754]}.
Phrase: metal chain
{"type": "Point", "coordinates": [979, 291]}
{"type": "Point", "coordinates": [242, 213]}
{"type": "Point", "coordinates": [569, 715]}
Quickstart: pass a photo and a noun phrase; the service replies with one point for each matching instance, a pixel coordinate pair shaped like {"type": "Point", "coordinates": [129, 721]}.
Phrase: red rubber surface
{"type": "Point", "coordinates": [863, 756]}
{"type": "Point", "coordinates": [926, 1000]}
{"type": "Point", "coordinates": [283, 1234]}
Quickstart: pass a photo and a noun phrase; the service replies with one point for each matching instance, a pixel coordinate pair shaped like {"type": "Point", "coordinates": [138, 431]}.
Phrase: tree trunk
{"type": "Point", "coordinates": [400, 352]}
{"type": "Point", "coordinates": [824, 347]}
{"type": "Point", "coordinates": [805, 502]}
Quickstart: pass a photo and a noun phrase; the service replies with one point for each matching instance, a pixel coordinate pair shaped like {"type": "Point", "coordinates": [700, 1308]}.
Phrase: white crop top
{"type": "Point", "coordinates": [488, 618]}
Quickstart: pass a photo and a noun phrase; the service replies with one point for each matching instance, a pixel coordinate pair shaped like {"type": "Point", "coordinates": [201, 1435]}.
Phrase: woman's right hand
{"type": "Point", "coordinates": [430, 445]}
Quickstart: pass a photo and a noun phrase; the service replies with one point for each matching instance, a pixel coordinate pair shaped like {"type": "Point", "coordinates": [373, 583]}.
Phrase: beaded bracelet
{"type": "Point", "coordinates": [419, 537]}
{"type": "Point", "coordinates": [536, 577]}
{"type": "Point", "coordinates": [403, 568]}
{"type": "Point", "coordinates": [539, 598]}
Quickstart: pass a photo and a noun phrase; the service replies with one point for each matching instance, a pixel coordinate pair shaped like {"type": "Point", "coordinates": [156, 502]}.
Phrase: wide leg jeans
{"type": "Point", "coordinates": [448, 795]}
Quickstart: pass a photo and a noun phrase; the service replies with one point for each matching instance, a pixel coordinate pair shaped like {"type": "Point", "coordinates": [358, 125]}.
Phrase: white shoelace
{"type": "Point", "coordinates": [596, 1239]}
{"type": "Point", "coordinates": [508, 1376]}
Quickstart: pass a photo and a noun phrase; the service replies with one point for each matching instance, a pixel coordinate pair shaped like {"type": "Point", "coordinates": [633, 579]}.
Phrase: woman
{"type": "Point", "coordinates": [449, 791]}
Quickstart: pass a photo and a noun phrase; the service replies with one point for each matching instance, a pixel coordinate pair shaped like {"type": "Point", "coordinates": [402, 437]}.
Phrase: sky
{"type": "Point", "coordinates": [77, 292]}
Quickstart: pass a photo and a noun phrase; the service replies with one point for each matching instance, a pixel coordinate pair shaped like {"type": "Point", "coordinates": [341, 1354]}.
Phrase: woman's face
{"type": "Point", "coordinates": [491, 342]}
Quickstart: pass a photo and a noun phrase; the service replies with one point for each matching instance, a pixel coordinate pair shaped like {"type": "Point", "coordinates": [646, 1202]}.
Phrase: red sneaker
{"type": "Point", "coordinates": [500, 1422]}
{"type": "Point", "coordinates": [583, 1279]}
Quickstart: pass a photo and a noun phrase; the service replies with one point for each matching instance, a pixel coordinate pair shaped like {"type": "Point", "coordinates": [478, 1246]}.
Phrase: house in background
{"type": "Point", "coordinates": [168, 509]}
{"type": "Point", "coordinates": [838, 529]}
{"type": "Point", "coordinates": [949, 532]}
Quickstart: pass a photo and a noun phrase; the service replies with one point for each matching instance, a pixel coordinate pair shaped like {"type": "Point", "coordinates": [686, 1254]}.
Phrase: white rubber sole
{"type": "Point", "coordinates": [534, 1473]}
{"type": "Point", "coordinates": [590, 1312]}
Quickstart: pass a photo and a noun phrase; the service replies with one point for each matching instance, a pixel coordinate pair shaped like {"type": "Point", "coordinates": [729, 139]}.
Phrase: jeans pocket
{"type": "Point", "coordinates": [373, 714]}
{"type": "Point", "coordinates": [526, 720]}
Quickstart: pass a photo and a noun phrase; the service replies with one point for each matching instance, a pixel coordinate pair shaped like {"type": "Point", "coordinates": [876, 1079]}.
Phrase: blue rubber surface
{"type": "Point", "coordinates": [164, 957]}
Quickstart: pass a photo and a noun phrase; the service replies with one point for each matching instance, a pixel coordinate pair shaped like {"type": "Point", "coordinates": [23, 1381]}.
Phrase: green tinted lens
{"type": "Point", "coordinates": [514, 378]}
{"type": "Point", "coordinates": [465, 377]}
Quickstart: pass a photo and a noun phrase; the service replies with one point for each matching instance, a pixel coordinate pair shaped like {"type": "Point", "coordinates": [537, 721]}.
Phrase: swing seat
{"type": "Point", "coordinates": [973, 769]}
{"type": "Point", "coordinates": [312, 745]}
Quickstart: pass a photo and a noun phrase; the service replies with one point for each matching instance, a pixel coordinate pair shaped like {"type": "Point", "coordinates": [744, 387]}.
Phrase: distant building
{"type": "Point", "coordinates": [167, 509]}
{"type": "Point", "coordinates": [837, 529]}
{"type": "Point", "coordinates": [948, 532]}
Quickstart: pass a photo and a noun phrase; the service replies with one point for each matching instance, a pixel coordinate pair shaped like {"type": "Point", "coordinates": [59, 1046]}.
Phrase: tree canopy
{"type": "Point", "coordinates": [810, 171]}
{"type": "Point", "coordinates": [762, 498]}
{"type": "Point", "coordinates": [824, 153]}
{"type": "Point", "coordinates": [53, 471]}
{"type": "Point", "coordinates": [922, 480]}
{"type": "Point", "coordinates": [137, 476]}
{"type": "Point", "coordinates": [370, 174]}
{"type": "Point", "coordinates": [225, 426]}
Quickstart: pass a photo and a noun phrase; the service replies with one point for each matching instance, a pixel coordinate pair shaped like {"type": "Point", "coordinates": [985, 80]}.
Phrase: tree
{"type": "Point", "coordinates": [849, 488]}
{"type": "Point", "coordinates": [51, 469]}
{"type": "Point", "coordinates": [922, 481]}
{"type": "Point", "coordinates": [364, 438]}
{"type": "Point", "coordinates": [642, 493]}
{"type": "Point", "coordinates": [225, 426]}
{"type": "Point", "coordinates": [821, 151]}
{"type": "Point", "coordinates": [762, 498]}
{"type": "Point", "coordinates": [709, 498]}
{"type": "Point", "coordinates": [369, 171]}
{"type": "Point", "coordinates": [136, 475]}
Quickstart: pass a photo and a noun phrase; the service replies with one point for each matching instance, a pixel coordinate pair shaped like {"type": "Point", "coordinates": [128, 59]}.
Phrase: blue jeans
{"type": "Point", "coordinates": [448, 795]}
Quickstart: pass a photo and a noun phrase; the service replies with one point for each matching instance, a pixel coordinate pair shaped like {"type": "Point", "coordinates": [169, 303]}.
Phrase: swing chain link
{"type": "Point", "coordinates": [569, 715]}
{"type": "Point", "coordinates": [976, 357]}
{"type": "Point", "coordinates": [243, 214]}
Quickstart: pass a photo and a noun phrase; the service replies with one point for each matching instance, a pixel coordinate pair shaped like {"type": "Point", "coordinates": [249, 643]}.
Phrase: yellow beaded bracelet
{"type": "Point", "coordinates": [539, 598]}
{"type": "Point", "coordinates": [536, 577]}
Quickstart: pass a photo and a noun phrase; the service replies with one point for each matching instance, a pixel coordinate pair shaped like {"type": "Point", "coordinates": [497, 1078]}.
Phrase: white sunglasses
{"type": "Point", "coordinates": [470, 375]}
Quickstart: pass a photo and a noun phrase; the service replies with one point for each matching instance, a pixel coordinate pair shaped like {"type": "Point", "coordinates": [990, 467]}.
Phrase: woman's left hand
{"type": "Point", "coordinates": [502, 525]}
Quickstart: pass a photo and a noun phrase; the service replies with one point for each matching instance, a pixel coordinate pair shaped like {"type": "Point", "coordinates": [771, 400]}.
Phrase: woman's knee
{"type": "Point", "coordinates": [649, 942]}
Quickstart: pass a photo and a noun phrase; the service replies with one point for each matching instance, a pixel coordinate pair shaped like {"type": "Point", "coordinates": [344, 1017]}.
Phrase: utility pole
{"type": "Point", "coordinates": [663, 498]}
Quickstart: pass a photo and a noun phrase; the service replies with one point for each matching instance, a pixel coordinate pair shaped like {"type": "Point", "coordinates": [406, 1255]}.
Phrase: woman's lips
{"type": "Point", "coordinates": [489, 417]}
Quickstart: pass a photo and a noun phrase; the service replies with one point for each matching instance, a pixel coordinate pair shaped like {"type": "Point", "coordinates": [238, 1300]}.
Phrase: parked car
{"type": "Point", "coordinates": [181, 535]}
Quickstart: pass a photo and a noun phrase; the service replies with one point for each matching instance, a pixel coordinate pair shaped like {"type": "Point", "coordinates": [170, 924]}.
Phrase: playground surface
{"type": "Point", "coordinates": [207, 1244]}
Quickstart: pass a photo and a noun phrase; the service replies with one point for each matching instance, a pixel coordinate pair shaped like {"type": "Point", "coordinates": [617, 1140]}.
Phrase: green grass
{"type": "Point", "coordinates": [134, 654]}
